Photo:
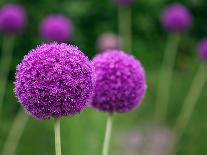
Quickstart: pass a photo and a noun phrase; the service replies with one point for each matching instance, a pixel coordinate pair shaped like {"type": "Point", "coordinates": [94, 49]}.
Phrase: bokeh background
{"type": "Point", "coordinates": [134, 132]}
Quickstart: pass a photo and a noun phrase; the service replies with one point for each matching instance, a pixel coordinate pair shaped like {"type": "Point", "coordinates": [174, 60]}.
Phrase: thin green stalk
{"type": "Point", "coordinates": [107, 136]}
{"type": "Point", "coordinates": [125, 30]}
{"type": "Point", "coordinates": [15, 133]}
{"type": "Point", "coordinates": [165, 77]}
{"type": "Point", "coordinates": [57, 137]}
{"type": "Point", "coordinates": [6, 58]}
{"type": "Point", "coordinates": [190, 101]}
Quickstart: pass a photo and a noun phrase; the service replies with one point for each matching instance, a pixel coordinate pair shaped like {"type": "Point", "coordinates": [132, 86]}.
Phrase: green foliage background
{"type": "Point", "coordinates": [83, 134]}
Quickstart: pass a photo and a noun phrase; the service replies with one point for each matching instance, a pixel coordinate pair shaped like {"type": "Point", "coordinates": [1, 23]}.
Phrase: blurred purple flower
{"type": "Point", "coordinates": [54, 80]}
{"type": "Point", "coordinates": [131, 142]}
{"type": "Point", "coordinates": [108, 41]}
{"type": "Point", "coordinates": [120, 82]}
{"type": "Point", "coordinates": [159, 141]}
{"type": "Point", "coordinates": [12, 19]}
{"type": "Point", "coordinates": [124, 2]}
{"type": "Point", "coordinates": [202, 49]}
{"type": "Point", "coordinates": [56, 28]}
{"type": "Point", "coordinates": [150, 141]}
{"type": "Point", "coordinates": [176, 18]}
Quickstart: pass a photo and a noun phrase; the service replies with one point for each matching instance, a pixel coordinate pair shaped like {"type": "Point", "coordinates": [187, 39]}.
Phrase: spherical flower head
{"type": "Point", "coordinates": [124, 3]}
{"type": "Point", "coordinates": [12, 19]}
{"type": "Point", "coordinates": [108, 41]}
{"type": "Point", "coordinates": [54, 80]}
{"type": "Point", "coordinates": [202, 49]}
{"type": "Point", "coordinates": [120, 82]}
{"type": "Point", "coordinates": [176, 18]}
{"type": "Point", "coordinates": [56, 28]}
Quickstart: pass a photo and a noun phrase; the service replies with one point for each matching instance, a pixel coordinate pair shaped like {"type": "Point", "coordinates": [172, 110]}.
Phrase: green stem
{"type": "Point", "coordinates": [15, 133]}
{"type": "Point", "coordinates": [165, 77]}
{"type": "Point", "coordinates": [190, 101]}
{"type": "Point", "coordinates": [125, 31]}
{"type": "Point", "coordinates": [57, 137]}
{"type": "Point", "coordinates": [6, 57]}
{"type": "Point", "coordinates": [107, 136]}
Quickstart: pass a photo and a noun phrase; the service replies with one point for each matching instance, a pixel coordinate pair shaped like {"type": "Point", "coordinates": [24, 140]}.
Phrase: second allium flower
{"type": "Point", "coordinates": [120, 82]}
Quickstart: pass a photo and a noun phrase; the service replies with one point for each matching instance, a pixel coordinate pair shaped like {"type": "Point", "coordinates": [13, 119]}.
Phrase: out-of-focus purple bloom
{"type": "Point", "coordinates": [176, 18]}
{"type": "Point", "coordinates": [120, 82]}
{"type": "Point", "coordinates": [12, 19]}
{"type": "Point", "coordinates": [151, 140]}
{"type": "Point", "coordinates": [56, 28]}
{"type": "Point", "coordinates": [159, 141]}
{"type": "Point", "coordinates": [124, 2]}
{"type": "Point", "coordinates": [130, 142]}
{"type": "Point", "coordinates": [54, 80]}
{"type": "Point", "coordinates": [202, 49]}
{"type": "Point", "coordinates": [108, 41]}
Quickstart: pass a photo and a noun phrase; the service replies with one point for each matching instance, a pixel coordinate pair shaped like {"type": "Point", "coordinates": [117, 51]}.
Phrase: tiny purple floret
{"type": "Point", "coordinates": [56, 28]}
{"type": "Point", "coordinates": [108, 41]}
{"type": "Point", "coordinates": [202, 49]}
{"type": "Point", "coordinates": [54, 80]}
{"type": "Point", "coordinates": [124, 3]}
{"type": "Point", "coordinates": [120, 82]}
{"type": "Point", "coordinates": [12, 19]}
{"type": "Point", "coordinates": [176, 18]}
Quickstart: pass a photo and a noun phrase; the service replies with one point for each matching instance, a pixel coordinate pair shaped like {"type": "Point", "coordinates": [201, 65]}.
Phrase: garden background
{"type": "Point", "coordinates": [83, 134]}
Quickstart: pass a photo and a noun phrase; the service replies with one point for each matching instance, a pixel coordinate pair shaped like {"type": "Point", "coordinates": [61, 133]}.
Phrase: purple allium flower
{"type": "Point", "coordinates": [12, 19]}
{"type": "Point", "coordinates": [56, 28]}
{"type": "Point", "coordinates": [176, 18]}
{"type": "Point", "coordinates": [108, 41]}
{"type": "Point", "coordinates": [124, 2]}
{"type": "Point", "coordinates": [149, 140]}
{"type": "Point", "coordinates": [202, 49]}
{"type": "Point", "coordinates": [54, 80]}
{"type": "Point", "coordinates": [128, 142]}
{"type": "Point", "coordinates": [120, 82]}
{"type": "Point", "coordinates": [159, 141]}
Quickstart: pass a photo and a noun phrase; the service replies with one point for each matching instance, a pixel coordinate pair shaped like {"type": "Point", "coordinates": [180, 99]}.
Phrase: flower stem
{"type": "Point", "coordinates": [190, 101]}
{"type": "Point", "coordinates": [107, 136]}
{"type": "Point", "coordinates": [124, 18]}
{"type": "Point", "coordinates": [6, 57]}
{"type": "Point", "coordinates": [57, 137]}
{"type": "Point", "coordinates": [15, 133]}
{"type": "Point", "coordinates": [165, 77]}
